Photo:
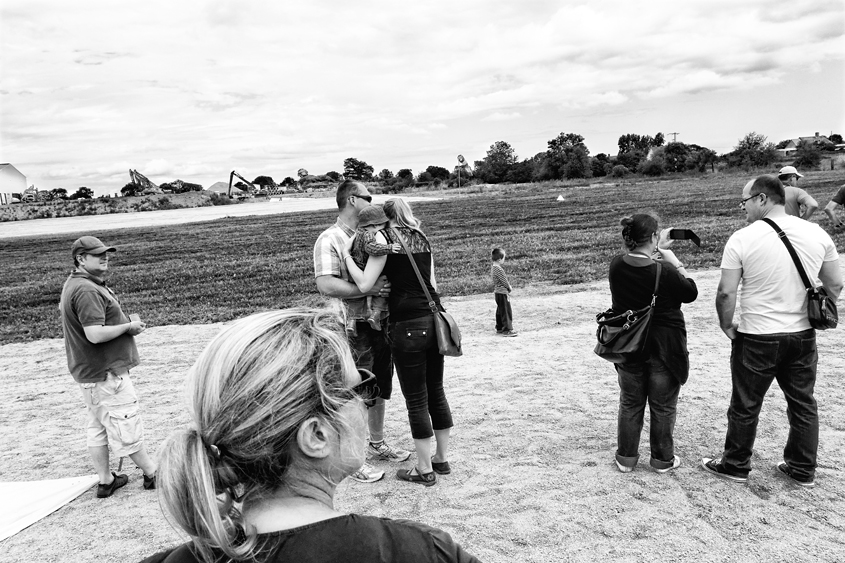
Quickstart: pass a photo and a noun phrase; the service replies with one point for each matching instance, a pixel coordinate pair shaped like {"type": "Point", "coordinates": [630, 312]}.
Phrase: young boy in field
{"type": "Point", "coordinates": [501, 291]}
{"type": "Point", "coordinates": [370, 220]}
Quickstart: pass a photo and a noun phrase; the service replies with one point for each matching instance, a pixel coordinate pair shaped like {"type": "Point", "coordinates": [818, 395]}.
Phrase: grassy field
{"type": "Point", "coordinates": [220, 270]}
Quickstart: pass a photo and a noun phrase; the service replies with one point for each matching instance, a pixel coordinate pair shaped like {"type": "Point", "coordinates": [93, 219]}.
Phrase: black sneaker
{"type": "Point", "coordinates": [715, 467]}
{"type": "Point", "coordinates": [149, 482]}
{"type": "Point", "coordinates": [105, 491]}
{"type": "Point", "coordinates": [785, 469]}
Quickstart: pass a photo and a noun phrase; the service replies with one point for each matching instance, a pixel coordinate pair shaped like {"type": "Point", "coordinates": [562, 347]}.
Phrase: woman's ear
{"type": "Point", "coordinates": [314, 437]}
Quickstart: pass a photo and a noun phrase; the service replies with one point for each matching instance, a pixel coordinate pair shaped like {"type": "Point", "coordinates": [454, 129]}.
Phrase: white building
{"type": "Point", "coordinates": [11, 182]}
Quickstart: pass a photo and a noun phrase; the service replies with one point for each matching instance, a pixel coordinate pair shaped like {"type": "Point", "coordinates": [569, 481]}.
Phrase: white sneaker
{"type": "Point", "coordinates": [676, 463]}
{"type": "Point", "coordinates": [385, 452]}
{"type": "Point", "coordinates": [623, 468]}
{"type": "Point", "coordinates": [367, 474]}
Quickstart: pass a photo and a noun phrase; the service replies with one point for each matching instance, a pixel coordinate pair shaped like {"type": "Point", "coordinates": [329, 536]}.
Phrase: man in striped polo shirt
{"type": "Point", "coordinates": [369, 346]}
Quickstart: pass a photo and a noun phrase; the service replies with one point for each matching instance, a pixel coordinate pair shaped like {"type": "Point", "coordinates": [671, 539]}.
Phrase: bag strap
{"type": "Point", "coordinates": [431, 304]}
{"type": "Point", "coordinates": [656, 284]}
{"type": "Point", "coordinates": [792, 253]}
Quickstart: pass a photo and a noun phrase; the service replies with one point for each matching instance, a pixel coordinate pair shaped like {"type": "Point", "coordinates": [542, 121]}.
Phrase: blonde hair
{"type": "Point", "coordinates": [400, 212]}
{"type": "Point", "coordinates": [249, 391]}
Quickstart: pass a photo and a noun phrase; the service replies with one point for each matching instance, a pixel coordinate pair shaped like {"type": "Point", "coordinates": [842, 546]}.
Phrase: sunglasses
{"type": "Point", "coordinates": [742, 203]}
{"type": "Point", "coordinates": [367, 198]}
{"type": "Point", "coordinates": [367, 378]}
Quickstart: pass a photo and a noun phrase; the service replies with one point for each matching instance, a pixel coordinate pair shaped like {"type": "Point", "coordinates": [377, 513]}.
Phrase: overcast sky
{"type": "Point", "coordinates": [194, 89]}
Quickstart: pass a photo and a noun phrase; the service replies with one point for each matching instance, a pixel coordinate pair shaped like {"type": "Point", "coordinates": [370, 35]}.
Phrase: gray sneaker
{"type": "Point", "coordinates": [784, 468]}
{"type": "Point", "coordinates": [509, 333]}
{"type": "Point", "coordinates": [385, 452]}
{"type": "Point", "coordinates": [367, 474]}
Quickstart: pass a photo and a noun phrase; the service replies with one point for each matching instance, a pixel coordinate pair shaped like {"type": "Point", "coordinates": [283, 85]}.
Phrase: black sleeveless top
{"type": "Point", "coordinates": [407, 298]}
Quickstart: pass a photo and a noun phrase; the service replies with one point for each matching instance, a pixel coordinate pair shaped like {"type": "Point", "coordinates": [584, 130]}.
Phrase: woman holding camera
{"type": "Point", "coordinates": [278, 421]}
{"type": "Point", "coordinates": [656, 377]}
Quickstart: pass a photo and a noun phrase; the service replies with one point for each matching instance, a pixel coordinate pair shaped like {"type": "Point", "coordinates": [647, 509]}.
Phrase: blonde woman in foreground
{"type": "Point", "coordinates": [278, 421]}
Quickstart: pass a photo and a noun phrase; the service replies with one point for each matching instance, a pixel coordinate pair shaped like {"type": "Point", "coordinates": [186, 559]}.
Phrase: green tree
{"type": "Point", "coordinates": [336, 176]}
{"type": "Point", "coordinates": [752, 151]}
{"type": "Point", "coordinates": [567, 157]}
{"type": "Point", "coordinates": [82, 193]}
{"type": "Point", "coordinates": [494, 167]}
{"type": "Point", "coordinates": [385, 175]}
{"type": "Point", "coordinates": [807, 155]}
{"type": "Point", "coordinates": [58, 193]}
{"type": "Point", "coordinates": [425, 178]}
{"type": "Point", "coordinates": [288, 181]}
{"type": "Point", "coordinates": [836, 139]}
{"type": "Point", "coordinates": [355, 169]}
{"type": "Point", "coordinates": [264, 181]}
{"type": "Point", "coordinates": [600, 165]}
{"type": "Point", "coordinates": [438, 172]}
{"type": "Point", "coordinates": [130, 189]}
{"type": "Point", "coordinates": [675, 157]}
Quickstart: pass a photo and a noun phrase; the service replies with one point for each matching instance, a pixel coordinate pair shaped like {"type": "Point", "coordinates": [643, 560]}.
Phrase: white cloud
{"type": "Point", "coordinates": [210, 86]}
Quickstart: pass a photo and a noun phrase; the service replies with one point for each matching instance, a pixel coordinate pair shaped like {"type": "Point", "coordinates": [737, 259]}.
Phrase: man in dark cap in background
{"type": "Point", "coordinates": [100, 346]}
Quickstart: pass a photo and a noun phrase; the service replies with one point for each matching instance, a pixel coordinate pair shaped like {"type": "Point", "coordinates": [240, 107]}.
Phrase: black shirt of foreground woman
{"type": "Point", "coordinates": [631, 285]}
{"type": "Point", "coordinates": [347, 538]}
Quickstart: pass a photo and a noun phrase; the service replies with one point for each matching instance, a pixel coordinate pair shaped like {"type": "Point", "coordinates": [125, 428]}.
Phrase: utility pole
{"type": "Point", "coordinates": [674, 136]}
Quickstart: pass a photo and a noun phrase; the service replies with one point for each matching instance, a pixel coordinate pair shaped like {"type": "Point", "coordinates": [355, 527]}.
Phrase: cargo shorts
{"type": "Point", "coordinates": [113, 419]}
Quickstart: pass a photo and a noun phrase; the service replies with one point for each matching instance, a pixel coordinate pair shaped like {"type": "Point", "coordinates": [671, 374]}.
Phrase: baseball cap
{"type": "Point", "coordinates": [90, 245]}
{"type": "Point", "coordinates": [371, 215]}
{"type": "Point", "coordinates": [789, 170]}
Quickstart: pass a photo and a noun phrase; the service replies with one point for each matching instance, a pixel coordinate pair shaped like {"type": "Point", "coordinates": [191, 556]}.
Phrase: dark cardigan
{"type": "Point", "coordinates": [631, 285]}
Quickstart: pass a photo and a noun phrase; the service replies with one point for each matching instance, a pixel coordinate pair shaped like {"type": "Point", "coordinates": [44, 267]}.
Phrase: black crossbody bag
{"type": "Point", "coordinates": [622, 337]}
{"type": "Point", "coordinates": [821, 309]}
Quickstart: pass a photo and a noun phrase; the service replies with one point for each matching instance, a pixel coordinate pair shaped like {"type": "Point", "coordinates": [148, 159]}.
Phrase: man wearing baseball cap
{"type": "Point", "coordinates": [100, 346]}
{"type": "Point", "coordinates": [795, 196]}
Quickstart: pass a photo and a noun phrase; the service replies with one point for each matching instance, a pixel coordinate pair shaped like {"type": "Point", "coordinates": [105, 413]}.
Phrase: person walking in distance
{"type": "Point", "coordinates": [773, 339]}
{"type": "Point", "coordinates": [369, 346]}
{"type": "Point", "coordinates": [100, 346]}
{"type": "Point", "coordinates": [501, 292]}
{"type": "Point", "coordinates": [794, 197]}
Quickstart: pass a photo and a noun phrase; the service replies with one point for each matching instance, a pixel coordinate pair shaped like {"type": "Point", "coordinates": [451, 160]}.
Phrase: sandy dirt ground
{"type": "Point", "coordinates": [532, 454]}
{"type": "Point", "coordinates": [92, 223]}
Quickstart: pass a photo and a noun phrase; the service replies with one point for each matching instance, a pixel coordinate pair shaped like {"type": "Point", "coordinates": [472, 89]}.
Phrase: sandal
{"type": "Point", "coordinates": [414, 476]}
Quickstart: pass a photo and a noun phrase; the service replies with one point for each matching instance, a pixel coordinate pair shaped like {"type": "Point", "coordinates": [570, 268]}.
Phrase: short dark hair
{"type": "Point", "coordinates": [346, 189]}
{"type": "Point", "coordinates": [637, 229]}
{"type": "Point", "coordinates": [771, 186]}
{"type": "Point", "coordinates": [498, 253]}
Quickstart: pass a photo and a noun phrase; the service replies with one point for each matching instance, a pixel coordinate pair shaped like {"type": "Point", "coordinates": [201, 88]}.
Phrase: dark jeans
{"type": "Point", "coordinates": [419, 366]}
{"type": "Point", "coordinates": [504, 315]}
{"type": "Point", "coordinates": [757, 360]}
{"type": "Point", "coordinates": [372, 351]}
{"type": "Point", "coordinates": [649, 381]}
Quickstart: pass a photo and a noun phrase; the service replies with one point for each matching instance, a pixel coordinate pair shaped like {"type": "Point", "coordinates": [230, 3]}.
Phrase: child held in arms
{"type": "Point", "coordinates": [501, 291]}
{"type": "Point", "coordinates": [370, 220]}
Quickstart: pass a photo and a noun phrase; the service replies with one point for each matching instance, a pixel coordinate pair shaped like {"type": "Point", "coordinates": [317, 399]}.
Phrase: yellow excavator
{"type": "Point", "coordinates": [252, 187]}
{"type": "Point", "coordinates": [147, 187]}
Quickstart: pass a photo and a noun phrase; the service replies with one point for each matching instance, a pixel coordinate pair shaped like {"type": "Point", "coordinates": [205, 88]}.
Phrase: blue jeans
{"type": "Point", "coordinates": [419, 367]}
{"type": "Point", "coordinates": [371, 351]}
{"type": "Point", "coordinates": [504, 315]}
{"type": "Point", "coordinates": [756, 361]}
{"type": "Point", "coordinates": [649, 381]}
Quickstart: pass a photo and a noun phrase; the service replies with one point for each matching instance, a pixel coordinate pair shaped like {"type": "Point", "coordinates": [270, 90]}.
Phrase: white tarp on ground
{"type": "Point", "coordinates": [26, 502]}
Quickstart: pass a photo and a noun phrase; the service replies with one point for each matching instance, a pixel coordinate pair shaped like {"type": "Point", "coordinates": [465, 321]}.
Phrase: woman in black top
{"type": "Point", "coordinates": [657, 377]}
{"type": "Point", "coordinates": [413, 342]}
{"type": "Point", "coordinates": [278, 421]}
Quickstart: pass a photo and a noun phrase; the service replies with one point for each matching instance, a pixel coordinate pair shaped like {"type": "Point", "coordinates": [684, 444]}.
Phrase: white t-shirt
{"type": "Point", "coordinates": [772, 296]}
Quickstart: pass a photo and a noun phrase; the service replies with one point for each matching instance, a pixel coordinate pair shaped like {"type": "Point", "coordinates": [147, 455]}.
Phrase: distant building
{"type": "Point", "coordinates": [792, 145]}
{"type": "Point", "coordinates": [11, 182]}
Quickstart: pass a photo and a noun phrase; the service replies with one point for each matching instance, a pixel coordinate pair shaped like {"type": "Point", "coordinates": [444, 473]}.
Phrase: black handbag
{"type": "Point", "coordinates": [821, 309]}
{"type": "Point", "coordinates": [446, 329]}
{"type": "Point", "coordinates": [622, 337]}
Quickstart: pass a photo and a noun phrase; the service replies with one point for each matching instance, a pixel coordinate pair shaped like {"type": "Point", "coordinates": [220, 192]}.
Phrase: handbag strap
{"type": "Point", "coordinates": [792, 253]}
{"type": "Point", "coordinates": [431, 304]}
{"type": "Point", "coordinates": [656, 284]}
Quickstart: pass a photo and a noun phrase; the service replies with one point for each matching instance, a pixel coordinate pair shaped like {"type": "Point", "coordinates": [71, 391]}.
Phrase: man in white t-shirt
{"type": "Point", "coordinates": [773, 340]}
{"type": "Point", "coordinates": [795, 198]}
